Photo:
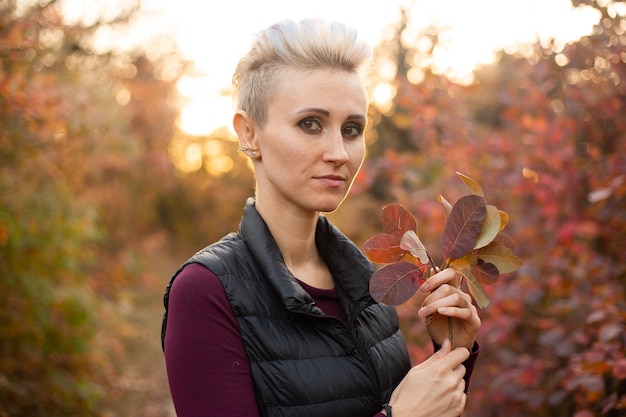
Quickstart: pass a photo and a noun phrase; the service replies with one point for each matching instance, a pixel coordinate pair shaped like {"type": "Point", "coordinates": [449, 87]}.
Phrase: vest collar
{"type": "Point", "coordinates": [347, 264]}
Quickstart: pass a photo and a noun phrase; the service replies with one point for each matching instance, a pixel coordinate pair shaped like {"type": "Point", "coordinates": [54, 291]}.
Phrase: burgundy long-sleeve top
{"type": "Point", "coordinates": [207, 366]}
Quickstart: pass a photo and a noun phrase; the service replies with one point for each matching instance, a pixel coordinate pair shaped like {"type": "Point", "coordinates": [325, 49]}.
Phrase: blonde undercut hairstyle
{"type": "Point", "coordinates": [305, 45]}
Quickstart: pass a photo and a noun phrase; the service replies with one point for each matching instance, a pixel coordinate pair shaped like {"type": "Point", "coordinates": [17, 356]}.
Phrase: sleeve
{"type": "Point", "coordinates": [469, 365]}
{"type": "Point", "coordinates": [206, 362]}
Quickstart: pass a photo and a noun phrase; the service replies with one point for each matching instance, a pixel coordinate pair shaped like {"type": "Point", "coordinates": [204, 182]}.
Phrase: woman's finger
{"type": "Point", "coordinates": [435, 302]}
{"type": "Point", "coordinates": [447, 276]}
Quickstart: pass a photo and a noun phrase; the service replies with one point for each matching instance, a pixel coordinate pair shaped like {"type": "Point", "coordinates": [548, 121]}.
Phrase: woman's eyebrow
{"type": "Point", "coordinates": [357, 116]}
{"type": "Point", "coordinates": [315, 110]}
{"type": "Point", "coordinates": [327, 113]}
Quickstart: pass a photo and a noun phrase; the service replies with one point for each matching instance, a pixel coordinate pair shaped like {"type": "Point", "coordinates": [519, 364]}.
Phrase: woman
{"type": "Point", "coordinates": [276, 319]}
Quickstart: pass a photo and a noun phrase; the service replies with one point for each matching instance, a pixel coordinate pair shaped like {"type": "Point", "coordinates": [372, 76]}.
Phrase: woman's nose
{"type": "Point", "coordinates": [336, 149]}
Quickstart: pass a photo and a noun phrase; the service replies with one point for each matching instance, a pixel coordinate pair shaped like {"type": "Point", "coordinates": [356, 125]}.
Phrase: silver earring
{"type": "Point", "coordinates": [253, 153]}
{"type": "Point", "coordinates": [243, 149]}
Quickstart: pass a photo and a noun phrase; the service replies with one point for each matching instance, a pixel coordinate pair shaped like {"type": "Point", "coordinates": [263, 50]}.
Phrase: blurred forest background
{"type": "Point", "coordinates": [102, 197]}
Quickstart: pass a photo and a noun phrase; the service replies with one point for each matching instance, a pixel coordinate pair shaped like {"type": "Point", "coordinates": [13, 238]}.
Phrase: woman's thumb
{"type": "Point", "coordinates": [445, 348]}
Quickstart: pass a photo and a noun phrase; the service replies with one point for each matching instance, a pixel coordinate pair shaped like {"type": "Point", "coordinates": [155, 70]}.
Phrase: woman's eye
{"type": "Point", "coordinates": [313, 125]}
{"type": "Point", "coordinates": [352, 130]}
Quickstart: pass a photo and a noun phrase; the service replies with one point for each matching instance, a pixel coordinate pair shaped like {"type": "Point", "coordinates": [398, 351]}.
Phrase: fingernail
{"type": "Point", "coordinates": [423, 311]}
{"type": "Point", "coordinates": [425, 287]}
{"type": "Point", "coordinates": [442, 310]}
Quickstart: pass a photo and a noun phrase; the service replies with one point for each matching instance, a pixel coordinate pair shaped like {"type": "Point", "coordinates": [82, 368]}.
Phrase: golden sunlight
{"type": "Point", "coordinates": [217, 162]}
{"type": "Point", "coordinates": [206, 108]}
{"type": "Point", "coordinates": [210, 152]}
{"type": "Point", "coordinates": [203, 115]}
{"type": "Point", "coordinates": [469, 33]}
{"type": "Point", "coordinates": [383, 95]}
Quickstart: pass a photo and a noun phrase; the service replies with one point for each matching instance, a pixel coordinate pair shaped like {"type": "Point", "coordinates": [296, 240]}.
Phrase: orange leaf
{"type": "Point", "coordinates": [383, 248]}
{"type": "Point", "coordinates": [473, 186]}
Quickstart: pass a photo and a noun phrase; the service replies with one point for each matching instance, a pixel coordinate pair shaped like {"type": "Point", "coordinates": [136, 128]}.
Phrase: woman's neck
{"type": "Point", "coordinates": [294, 233]}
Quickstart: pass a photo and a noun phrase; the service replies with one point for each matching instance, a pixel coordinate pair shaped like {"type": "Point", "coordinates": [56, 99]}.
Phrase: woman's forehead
{"type": "Point", "coordinates": [319, 86]}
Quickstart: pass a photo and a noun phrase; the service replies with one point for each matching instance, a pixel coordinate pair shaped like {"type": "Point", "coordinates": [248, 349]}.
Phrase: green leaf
{"type": "Point", "coordinates": [476, 290]}
{"type": "Point", "coordinates": [463, 226]}
{"type": "Point", "coordinates": [490, 227]}
{"type": "Point", "coordinates": [394, 284]}
{"type": "Point", "coordinates": [464, 267]}
{"type": "Point", "coordinates": [502, 257]}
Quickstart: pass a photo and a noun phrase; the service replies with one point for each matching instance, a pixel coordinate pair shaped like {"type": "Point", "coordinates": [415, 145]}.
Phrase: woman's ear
{"type": "Point", "coordinates": [245, 128]}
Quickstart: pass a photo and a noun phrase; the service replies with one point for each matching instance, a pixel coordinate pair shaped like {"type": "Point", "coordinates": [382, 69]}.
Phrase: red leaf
{"type": "Point", "coordinates": [397, 220]}
{"type": "Point", "coordinates": [383, 248]}
{"type": "Point", "coordinates": [394, 284]}
{"type": "Point", "coordinates": [486, 273]}
{"type": "Point", "coordinates": [463, 226]}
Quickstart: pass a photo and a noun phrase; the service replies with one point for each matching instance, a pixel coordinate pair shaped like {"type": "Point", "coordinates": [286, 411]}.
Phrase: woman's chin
{"type": "Point", "coordinates": [330, 206]}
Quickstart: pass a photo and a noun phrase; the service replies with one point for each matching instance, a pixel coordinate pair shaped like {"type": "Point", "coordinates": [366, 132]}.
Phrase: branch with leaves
{"type": "Point", "coordinates": [473, 244]}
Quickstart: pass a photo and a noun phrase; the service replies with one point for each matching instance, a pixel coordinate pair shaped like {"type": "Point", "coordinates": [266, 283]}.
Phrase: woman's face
{"type": "Point", "coordinates": [312, 146]}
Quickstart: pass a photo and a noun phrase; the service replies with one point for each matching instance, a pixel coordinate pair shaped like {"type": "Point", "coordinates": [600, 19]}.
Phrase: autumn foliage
{"type": "Point", "coordinates": [544, 132]}
{"type": "Point", "coordinates": [80, 154]}
{"type": "Point", "coordinates": [92, 210]}
{"type": "Point", "coordinates": [472, 243]}
{"type": "Point", "coordinates": [94, 196]}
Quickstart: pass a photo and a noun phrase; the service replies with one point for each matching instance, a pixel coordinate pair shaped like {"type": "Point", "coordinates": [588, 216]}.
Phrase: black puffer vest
{"type": "Point", "coordinates": [303, 362]}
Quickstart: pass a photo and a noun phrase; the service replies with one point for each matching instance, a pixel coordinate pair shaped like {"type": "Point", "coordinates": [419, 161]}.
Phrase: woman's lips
{"type": "Point", "coordinates": [332, 180]}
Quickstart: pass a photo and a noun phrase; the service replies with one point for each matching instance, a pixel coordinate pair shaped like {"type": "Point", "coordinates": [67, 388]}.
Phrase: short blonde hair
{"type": "Point", "coordinates": [306, 45]}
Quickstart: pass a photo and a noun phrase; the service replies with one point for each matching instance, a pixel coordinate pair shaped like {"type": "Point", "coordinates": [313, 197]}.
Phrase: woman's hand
{"type": "Point", "coordinates": [442, 299]}
{"type": "Point", "coordinates": [435, 387]}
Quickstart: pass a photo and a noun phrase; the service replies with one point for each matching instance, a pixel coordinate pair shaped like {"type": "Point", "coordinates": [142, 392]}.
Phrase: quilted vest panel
{"type": "Point", "coordinates": [337, 371]}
